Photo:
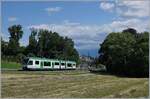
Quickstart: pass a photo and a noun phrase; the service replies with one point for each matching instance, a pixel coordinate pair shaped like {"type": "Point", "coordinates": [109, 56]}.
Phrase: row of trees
{"type": "Point", "coordinates": [42, 43]}
{"type": "Point", "coordinates": [126, 53]}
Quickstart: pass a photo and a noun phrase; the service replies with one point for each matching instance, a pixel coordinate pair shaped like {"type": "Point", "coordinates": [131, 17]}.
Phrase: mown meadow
{"type": "Point", "coordinates": [70, 84]}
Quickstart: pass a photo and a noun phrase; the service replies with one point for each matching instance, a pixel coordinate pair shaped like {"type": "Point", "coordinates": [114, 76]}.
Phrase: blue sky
{"type": "Point", "coordinates": [87, 23]}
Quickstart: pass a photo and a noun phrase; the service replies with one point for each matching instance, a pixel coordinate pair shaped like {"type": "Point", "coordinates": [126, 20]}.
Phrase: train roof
{"type": "Point", "coordinates": [38, 58]}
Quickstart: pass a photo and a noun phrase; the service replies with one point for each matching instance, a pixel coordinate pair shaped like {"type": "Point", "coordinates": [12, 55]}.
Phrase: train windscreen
{"type": "Point", "coordinates": [25, 61]}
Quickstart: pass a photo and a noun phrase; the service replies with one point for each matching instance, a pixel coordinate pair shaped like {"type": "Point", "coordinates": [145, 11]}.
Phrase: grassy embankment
{"type": "Point", "coordinates": [70, 84]}
{"type": "Point", "coordinates": [10, 65]}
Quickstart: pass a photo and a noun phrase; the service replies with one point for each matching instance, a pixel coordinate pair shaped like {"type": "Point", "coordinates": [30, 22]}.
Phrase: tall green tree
{"type": "Point", "coordinates": [4, 46]}
{"type": "Point", "coordinates": [116, 49]}
{"type": "Point", "coordinates": [32, 47]}
{"type": "Point", "coordinates": [44, 43]}
{"type": "Point", "coordinates": [16, 34]}
{"type": "Point", "coordinates": [140, 56]}
{"type": "Point", "coordinates": [52, 45]}
{"type": "Point", "coordinates": [130, 30]}
{"type": "Point", "coordinates": [125, 53]}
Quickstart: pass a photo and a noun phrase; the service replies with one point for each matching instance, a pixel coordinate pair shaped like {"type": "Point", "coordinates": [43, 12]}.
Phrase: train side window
{"type": "Point", "coordinates": [37, 62]}
{"type": "Point", "coordinates": [30, 62]}
{"type": "Point", "coordinates": [69, 65]}
{"type": "Point", "coordinates": [47, 64]}
{"type": "Point", "coordinates": [62, 64]}
{"type": "Point", "coordinates": [56, 63]}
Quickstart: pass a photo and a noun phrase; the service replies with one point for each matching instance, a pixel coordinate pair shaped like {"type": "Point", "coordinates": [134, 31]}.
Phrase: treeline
{"type": "Point", "coordinates": [42, 43]}
{"type": "Point", "coordinates": [126, 53]}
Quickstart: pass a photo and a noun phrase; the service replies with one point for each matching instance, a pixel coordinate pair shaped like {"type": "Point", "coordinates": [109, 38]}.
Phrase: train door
{"type": "Point", "coordinates": [57, 65]}
{"type": "Point", "coordinates": [30, 64]}
{"type": "Point", "coordinates": [52, 64]}
{"type": "Point", "coordinates": [42, 64]}
{"type": "Point", "coordinates": [62, 65]}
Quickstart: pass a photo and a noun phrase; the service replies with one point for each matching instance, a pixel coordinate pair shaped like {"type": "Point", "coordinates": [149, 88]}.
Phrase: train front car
{"type": "Point", "coordinates": [35, 63]}
{"type": "Point", "coordinates": [25, 64]}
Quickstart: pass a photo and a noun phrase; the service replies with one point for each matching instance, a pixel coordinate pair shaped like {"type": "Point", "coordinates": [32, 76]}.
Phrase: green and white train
{"type": "Point", "coordinates": [34, 63]}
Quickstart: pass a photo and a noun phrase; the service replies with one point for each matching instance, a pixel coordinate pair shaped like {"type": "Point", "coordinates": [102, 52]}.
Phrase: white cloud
{"type": "Point", "coordinates": [128, 8]}
{"type": "Point", "coordinates": [89, 36]}
{"type": "Point", "coordinates": [66, 22]}
{"type": "Point", "coordinates": [139, 25]}
{"type": "Point", "coordinates": [107, 6]}
{"type": "Point", "coordinates": [5, 37]}
{"type": "Point", "coordinates": [136, 8]}
{"type": "Point", "coordinates": [86, 44]}
{"type": "Point", "coordinates": [12, 19]}
{"type": "Point", "coordinates": [78, 32]}
{"type": "Point", "coordinates": [52, 10]}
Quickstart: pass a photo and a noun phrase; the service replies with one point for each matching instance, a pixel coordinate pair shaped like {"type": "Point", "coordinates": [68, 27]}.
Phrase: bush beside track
{"type": "Point", "coordinates": [10, 65]}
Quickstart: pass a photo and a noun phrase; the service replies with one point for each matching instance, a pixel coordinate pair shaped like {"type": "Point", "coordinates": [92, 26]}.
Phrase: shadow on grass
{"type": "Point", "coordinates": [104, 72]}
{"type": "Point", "coordinates": [118, 75]}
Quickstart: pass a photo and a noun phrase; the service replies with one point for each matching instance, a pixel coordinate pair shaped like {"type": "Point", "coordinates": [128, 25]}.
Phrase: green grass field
{"type": "Point", "coordinates": [70, 84]}
{"type": "Point", "coordinates": [10, 65]}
